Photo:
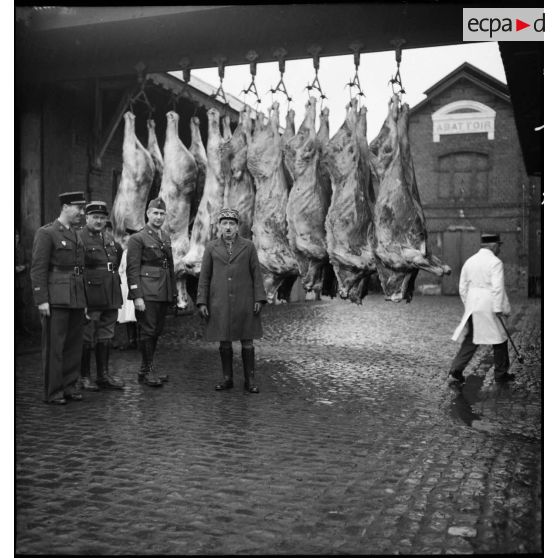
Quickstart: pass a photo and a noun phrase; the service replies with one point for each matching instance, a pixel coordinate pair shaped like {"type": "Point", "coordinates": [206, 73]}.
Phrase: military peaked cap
{"type": "Point", "coordinates": [488, 238]}
{"type": "Point", "coordinates": [72, 197]}
{"type": "Point", "coordinates": [227, 213]}
{"type": "Point", "coordinates": [131, 231]}
{"type": "Point", "coordinates": [157, 203]}
{"type": "Point", "coordinates": [96, 207]}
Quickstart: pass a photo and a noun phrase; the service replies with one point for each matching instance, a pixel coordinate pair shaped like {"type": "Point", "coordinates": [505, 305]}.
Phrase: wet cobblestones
{"type": "Point", "coordinates": [354, 446]}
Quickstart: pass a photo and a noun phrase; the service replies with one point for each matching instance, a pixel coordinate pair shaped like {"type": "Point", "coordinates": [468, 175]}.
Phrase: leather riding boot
{"type": "Point", "coordinates": [104, 379]}
{"type": "Point", "coordinates": [248, 361]}
{"type": "Point", "coordinates": [86, 382]}
{"type": "Point", "coordinates": [227, 366]}
{"type": "Point", "coordinates": [146, 374]}
{"type": "Point", "coordinates": [132, 332]}
{"type": "Point", "coordinates": [162, 377]}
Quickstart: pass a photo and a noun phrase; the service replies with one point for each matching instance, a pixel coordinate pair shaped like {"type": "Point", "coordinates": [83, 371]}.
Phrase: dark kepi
{"type": "Point", "coordinates": [96, 207]}
{"type": "Point", "coordinates": [72, 197]}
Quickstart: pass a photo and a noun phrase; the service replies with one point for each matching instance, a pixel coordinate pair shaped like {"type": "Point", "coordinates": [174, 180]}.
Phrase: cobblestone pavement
{"type": "Point", "coordinates": [355, 444]}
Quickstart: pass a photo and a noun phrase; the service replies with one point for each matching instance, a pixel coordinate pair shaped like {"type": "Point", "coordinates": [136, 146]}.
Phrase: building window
{"type": "Point", "coordinates": [463, 176]}
{"type": "Point", "coordinates": [463, 117]}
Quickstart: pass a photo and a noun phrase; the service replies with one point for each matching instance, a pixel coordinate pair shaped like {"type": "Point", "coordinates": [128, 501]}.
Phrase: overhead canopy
{"type": "Point", "coordinates": [72, 43]}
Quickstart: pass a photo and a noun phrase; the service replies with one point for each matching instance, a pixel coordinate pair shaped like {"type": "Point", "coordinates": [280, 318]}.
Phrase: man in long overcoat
{"type": "Point", "coordinates": [482, 290]}
{"type": "Point", "coordinates": [230, 297]}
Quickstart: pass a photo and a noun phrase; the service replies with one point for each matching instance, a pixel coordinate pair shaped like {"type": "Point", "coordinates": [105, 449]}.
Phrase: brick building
{"type": "Point", "coordinates": [472, 178]}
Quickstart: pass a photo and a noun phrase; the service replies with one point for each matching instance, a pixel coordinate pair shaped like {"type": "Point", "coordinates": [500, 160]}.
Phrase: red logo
{"type": "Point", "coordinates": [519, 25]}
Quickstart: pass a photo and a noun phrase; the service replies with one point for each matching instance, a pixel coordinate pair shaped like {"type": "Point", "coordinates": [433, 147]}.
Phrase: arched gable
{"type": "Point", "coordinates": [463, 117]}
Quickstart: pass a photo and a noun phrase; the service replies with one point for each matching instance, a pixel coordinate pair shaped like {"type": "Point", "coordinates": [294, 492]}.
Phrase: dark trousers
{"type": "Point", "coordinates": [100, 327]}
{"type": "Point", "coordinates": [152, 321]}
{"type": "Point", "coordinates": [468, 348]}
{"type": "Point", "coordinates": [61, 351]}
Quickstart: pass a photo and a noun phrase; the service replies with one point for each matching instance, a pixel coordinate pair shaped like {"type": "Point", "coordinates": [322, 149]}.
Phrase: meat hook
{"type": "Point", "coordinates": [315, 50]}
{"type": "Point", "coordinates": [280, 54]}
{"type": "Point", "coordinates": [396, 80]}
{"type": "Point", "coordinates": [220, 61]}
{"type": "Point", "coordinates": [355, 82]}
{"type": "Point", "coordinates": [252, 56]}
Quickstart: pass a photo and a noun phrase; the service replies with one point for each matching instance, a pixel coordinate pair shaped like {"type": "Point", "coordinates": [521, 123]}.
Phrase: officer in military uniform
{"type": "Point", "coordinates": [151, 285]}
{"type": "Point", "coordinates": [104, 296]}
{"type": "Point", "coordinates": [59, 292]}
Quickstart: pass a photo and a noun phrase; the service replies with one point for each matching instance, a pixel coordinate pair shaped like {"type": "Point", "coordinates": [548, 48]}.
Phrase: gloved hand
{"type": "Point", "coordinates": [257, 308]}
{"type": "Point", "coordinates": [204, 312]}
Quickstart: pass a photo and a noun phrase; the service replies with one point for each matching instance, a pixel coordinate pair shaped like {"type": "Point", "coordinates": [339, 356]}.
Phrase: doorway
{"type": "Point", "coordinates": [458, 245]}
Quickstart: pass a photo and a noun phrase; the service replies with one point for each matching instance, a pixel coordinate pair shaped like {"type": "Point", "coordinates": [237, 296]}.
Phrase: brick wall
{"type": "Point", "coordinates": [499, 206]}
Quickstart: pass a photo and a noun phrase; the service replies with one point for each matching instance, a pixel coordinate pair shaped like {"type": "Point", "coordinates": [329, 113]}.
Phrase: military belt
{"type": "Point", "coordinates": [75, 269]}
{"type": "Point", "coordinates": [109, 266]}
{"type": "Point", "coordinates": [163, 265]}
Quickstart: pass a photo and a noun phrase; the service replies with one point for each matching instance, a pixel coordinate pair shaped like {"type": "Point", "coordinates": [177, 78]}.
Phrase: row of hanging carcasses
{"type": "Point", "coordinates": [304, 199]}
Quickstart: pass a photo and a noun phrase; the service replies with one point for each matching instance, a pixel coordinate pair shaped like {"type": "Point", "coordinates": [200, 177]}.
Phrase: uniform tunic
{"type": "Point", "coordinates": [150, 274]}
{"type": "Point", "coordinates": [230, 285]}
{"type": "Point", "coordinates": [482, 290]}
{"type": "Point", "coordinates": [57, 278]}
{"type": "Point", "coordinates": [102, 284]}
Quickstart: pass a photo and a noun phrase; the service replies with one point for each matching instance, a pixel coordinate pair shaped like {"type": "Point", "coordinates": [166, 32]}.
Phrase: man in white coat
{"type": "Point", "coordinates": [482, 290]}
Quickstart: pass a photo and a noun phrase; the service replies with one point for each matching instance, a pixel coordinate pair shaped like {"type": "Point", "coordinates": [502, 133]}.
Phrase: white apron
{"type": "Point", "coordinates": [127, 312]}
{"type": "Point", "coordinates": [482, 290]}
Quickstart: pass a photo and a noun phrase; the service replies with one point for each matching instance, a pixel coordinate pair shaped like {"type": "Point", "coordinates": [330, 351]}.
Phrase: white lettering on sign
{"type": "Point", "coordinates": [463, 117]}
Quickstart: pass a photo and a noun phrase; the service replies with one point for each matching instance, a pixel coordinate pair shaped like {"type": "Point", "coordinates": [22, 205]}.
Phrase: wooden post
{"type": "Point", "coordinates": [114, 123]}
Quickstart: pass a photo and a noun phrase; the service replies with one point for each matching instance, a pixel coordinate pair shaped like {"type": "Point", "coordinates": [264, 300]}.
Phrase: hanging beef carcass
{"type": "Point", "coordinates": [177, 190]}
{"type": "Point", "coordinates": [400, 226]}
{"type": "Point", "coordinates": [206, 222]}
{"type": "Point", "coordinates": [349, 225]}
{"type": "Point", "coordinates": [155, 152]}
{"type": "Point", "coordinates": [128, 209]}
{"type": "Point", "coordinates": [239, 191]}
{"type": "Point", "coordinates": [265, 163]}
{"type": "Point", "coordinates": [308, 202]}
{"type": "Point", "coordinates": [197, 149]}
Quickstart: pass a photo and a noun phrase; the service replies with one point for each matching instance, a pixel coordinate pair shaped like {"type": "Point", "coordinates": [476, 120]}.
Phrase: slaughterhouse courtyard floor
{"type": "Point", "coordinates": [355, 444]}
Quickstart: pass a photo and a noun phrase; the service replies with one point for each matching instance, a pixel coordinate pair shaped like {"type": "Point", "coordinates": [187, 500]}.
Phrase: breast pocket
{"type": "Point", "coordinates": [64, 255]}
{"type": "Point", "coordinates": [59, 290]}
{"type": "Point", "coordinates": [150, 282]}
